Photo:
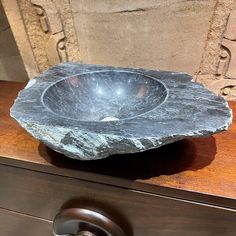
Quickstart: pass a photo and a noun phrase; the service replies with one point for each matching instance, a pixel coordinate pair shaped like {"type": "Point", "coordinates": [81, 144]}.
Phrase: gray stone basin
{"type": "Point", "coordinates": [90, 112]}
{"type": "Point", "coordinates": [104, 95]}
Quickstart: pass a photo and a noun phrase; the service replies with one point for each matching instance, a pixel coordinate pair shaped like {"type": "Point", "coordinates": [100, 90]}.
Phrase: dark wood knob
{"type": "Point", "coordinates": [85, 222]}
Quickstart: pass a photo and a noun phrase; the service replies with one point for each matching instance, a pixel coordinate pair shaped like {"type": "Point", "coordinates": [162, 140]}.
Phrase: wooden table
{"type": "Point", "coordinates": [185, 187]}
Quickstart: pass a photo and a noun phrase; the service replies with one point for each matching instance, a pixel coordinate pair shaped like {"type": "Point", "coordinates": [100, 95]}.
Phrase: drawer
{"type": "Point", "coordinates": [44, 195]}
{"type": "Point", "coordinates": [12, 224]}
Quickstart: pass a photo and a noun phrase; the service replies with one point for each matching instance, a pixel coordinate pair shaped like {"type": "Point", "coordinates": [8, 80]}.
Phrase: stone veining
{"type": "Point", "coordinates": [71, 108]}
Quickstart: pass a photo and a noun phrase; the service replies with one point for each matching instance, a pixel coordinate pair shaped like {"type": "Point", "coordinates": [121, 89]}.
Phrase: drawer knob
{"type": "Point", "coordinates": [85, 222]}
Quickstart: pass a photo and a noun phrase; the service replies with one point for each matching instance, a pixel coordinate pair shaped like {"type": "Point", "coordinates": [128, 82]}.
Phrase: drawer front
{"type": "Point", "coordinates": [43, 195]}
{"type": "Point", "coordinates": [12, 224]}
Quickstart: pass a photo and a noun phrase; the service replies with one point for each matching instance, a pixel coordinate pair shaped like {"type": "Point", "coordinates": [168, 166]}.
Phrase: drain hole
{"type": "Point", "coordinates": [109, 118]}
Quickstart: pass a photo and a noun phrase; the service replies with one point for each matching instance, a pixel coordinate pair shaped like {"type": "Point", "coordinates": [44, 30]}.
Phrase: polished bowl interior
{"type": "Point", "coordinates": [104, 96]}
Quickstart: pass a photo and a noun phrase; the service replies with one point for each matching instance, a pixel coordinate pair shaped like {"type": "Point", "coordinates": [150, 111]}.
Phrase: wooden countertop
{"type": "Point", "coordinates": [203, 169]}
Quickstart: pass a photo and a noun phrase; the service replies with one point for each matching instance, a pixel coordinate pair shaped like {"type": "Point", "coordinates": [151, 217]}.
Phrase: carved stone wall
{"type": "Point", "coordinates": [47, 28]}
{"type": "Point", "coordinates": [196, 36]}
{"type": "Point", "coordinates": [227, 59]}
{"type": "Point", "coordinates": [218, 67]}
{"type": "Point", "coordinates": [11, 64]}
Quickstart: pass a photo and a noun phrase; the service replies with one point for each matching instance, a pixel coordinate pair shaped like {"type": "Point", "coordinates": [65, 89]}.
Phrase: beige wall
{"type": "Point", "coordinates": [194, 36]}
{"type": "Point", "coordinates": [11, 65]}
{"type": "Point", "coordinates": [166, 35]}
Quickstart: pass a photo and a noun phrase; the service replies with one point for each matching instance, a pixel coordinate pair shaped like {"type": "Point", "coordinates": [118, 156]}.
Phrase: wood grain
{"type": "Point", "coordinates": [43, 195]}
{"type": "Point", "coordinates": [206, 166]}
{"type": "Point", "coordinates": [13, 223]}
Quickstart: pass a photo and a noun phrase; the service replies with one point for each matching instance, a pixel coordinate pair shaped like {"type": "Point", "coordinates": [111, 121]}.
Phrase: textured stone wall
{"type": "Point", "coordinates": [167, 35]}
{"type": "Point", "coordinates": [11, 65]}
{"type": "Point", "coordinates": [218, 65]}
{"type": "Point", "coordinates": [195, 36]}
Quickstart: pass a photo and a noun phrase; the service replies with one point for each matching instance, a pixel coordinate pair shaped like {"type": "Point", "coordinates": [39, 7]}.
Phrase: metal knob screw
{"type": "Point", "coordinates": [86, 233]}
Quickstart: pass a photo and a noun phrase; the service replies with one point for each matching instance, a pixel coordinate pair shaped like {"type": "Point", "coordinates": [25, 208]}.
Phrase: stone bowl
{"type": "Point", "coordinates": [106, 95]}
{"type": "Point", "coordinates": [90, 112]}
